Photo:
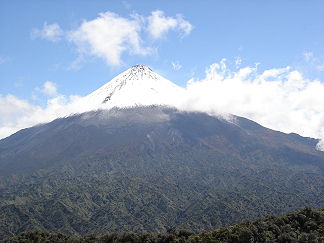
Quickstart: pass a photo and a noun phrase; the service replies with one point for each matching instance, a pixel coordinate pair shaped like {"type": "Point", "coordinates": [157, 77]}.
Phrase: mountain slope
{"type": "Point", "coordinates": [150, 168]}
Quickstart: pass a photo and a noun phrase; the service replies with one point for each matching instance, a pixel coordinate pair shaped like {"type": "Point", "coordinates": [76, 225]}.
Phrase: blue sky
{"type": "Point", "coordinates": [270, 34]}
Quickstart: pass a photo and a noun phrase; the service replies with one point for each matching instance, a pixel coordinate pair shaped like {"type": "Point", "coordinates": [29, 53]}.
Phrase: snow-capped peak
{"type": "Point", "coordinates": [138, 85]}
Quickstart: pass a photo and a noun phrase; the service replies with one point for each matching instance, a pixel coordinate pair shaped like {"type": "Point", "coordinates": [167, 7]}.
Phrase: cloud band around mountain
{"type": "Point", "coordinates": [280, 99]}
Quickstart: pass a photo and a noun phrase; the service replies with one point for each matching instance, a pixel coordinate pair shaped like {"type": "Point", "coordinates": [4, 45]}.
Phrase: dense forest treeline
{"type": "Point", "coordinates": [305, 225]}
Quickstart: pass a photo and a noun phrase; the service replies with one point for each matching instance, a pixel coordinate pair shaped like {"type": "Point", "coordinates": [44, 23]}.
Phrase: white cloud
{"type": "Point", "coordinates": [16, 114]}
{"type": "Point", "coordinates": [176, 65]}
{"type": "Point", "coordinates": [49, 88]}
{"type": "Point", "coordinates": [281, 99]}
{"type": "Point", "coordinates": [51, 32]}
{"type": "Point", "coordinates": [12, 113]}
{"type": "Point", "coordinates": [159, 25]}
{"type": "Point", "coordinates": [110, 36]}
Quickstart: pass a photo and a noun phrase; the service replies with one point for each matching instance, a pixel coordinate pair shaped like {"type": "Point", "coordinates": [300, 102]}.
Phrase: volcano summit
{"type": "Point", "coordinates": [137, 86]}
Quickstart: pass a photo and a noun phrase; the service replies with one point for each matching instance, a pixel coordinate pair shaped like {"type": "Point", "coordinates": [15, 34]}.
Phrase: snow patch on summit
{"type": "Point", "coordinates": [137, 86]}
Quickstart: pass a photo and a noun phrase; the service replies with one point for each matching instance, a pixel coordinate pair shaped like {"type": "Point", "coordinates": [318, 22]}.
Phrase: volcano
{"type": "Point", "coordinates": [134, 163]}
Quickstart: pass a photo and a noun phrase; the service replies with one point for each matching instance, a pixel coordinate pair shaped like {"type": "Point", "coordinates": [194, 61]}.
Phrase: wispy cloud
{"type": "Point", "coordinates": [238, 62]}
{"type": "Point", "coordinates": [176, 65]}
{"type": "Point", "coordinates": [49, 89]}
{"type": "Point", "coordinates": [51, 32]}
{"type": "Point", "coordinates": [314, 62]}
{"type": "Point", "coordinates": [159, 24]}
{"type": "Point", "coordinates": [4, 59]}
{"type": "Point", "coordinates": [127, 4]}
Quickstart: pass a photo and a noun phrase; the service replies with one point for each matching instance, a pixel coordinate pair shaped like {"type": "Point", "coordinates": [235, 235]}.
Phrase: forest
{"type": "Point", "coordinates": [304, 225]}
